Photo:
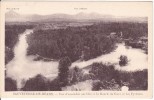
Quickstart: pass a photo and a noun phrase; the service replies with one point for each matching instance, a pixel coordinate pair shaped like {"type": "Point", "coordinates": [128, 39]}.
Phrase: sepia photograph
{"type": "Point", "coordinates": [75, 47]}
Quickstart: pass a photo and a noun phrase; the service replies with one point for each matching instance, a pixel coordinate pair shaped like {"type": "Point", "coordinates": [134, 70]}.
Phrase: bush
{"type": "Point", "coordinates": [97, 85]}
{"type": "Point", "coordinates": [123, 60]}
{"type": "Point", "coordinates": [102, 71]}
{"type": "Point", "coordinates": [54, 85]}
{"type": "Point", "coordinates": [139, 80]}
{"type": "Point", "coordinates": [10, 84]}
{"type": "Point", "coordinates": [38, 83]}
{"type": "Point", "coordinates": [77, 75]}
{"type": "Point", "coordinates": [105, 74]}
{"type": "Point", "coordinates": [105, 85]}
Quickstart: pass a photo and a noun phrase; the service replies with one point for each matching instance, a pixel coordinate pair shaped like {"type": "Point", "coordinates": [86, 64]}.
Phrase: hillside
{"type": "Point", "coordinates": [12, 16]}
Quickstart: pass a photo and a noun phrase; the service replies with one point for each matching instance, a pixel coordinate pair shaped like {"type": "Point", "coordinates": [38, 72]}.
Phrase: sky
{"type": "Point", "coordinates": [137, 9]}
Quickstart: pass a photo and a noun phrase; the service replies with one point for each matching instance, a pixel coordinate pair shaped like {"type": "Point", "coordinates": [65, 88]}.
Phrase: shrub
{"type": "Point", "coordinates": [102, 71]}
{"type": "Point", "coordinates": [10, 84]}
{"type": "Point", "coordinates": [38, 83]}
{"type": "Point", "coordinates": [77, 75]}
{"type": "Point", "coordinates": [97, 85]}
{"type": "Point", "coordinates": [137, 80]}
{"type": "Point", "coordinates": [105, 85]}
{"type": "Point", "coordinates": [54, 85]}
{"type": "Point", "coordinates": [123, 60]}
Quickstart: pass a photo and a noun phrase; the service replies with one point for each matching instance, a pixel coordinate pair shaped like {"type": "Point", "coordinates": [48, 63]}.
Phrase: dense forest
{"type": "Point", "coordinates": [72, 42]}
{"type": "Point", "coordinates": [84, 42]}
{"type": "Point", "coordinates": [12, 32]}
{"type": "Point", "coordinates": [132, 30]}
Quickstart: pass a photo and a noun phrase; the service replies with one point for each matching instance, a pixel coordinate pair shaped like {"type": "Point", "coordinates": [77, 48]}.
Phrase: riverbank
{"type": "Point", "coordinates": [137, 58]}
{"type": "Point", "coordinates": [92, 56]}
{"type": "Point", "coordinates": [22, 67]}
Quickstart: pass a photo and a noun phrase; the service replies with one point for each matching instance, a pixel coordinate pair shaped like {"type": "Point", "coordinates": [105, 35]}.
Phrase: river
{"type": "Point", "coordinates": [23, 67]}
{"type": "Point", "coordinates": [138, 60]}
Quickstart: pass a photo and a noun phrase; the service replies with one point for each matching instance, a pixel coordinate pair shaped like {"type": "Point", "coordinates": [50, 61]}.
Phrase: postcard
{"type": "Point", "coordinates": [76, 49]}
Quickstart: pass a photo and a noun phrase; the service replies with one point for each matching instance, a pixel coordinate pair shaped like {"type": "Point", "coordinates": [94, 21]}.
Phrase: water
{"type": "Point", "coordinates": [23, 67]}
{"type": "Point", "coordinates": [138, 60]}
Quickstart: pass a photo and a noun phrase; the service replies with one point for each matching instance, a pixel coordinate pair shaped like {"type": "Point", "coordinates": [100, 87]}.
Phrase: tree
{"type": "Point", "coordinates": [123, 60]}
{"type": "Point", "coordinates": [64, 71]}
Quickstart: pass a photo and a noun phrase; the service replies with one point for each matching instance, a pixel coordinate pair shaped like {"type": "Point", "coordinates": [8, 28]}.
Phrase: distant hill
{"type": "Point", "coordinates": [12, 16]}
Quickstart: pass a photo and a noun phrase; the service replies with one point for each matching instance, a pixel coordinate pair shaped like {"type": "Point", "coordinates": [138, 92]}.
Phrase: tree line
{"type": "Point", "coordinates": [84, 42]}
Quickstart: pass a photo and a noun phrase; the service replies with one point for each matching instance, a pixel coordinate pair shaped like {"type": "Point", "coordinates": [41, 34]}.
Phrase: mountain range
{"type": "Point", "coordinates": [13, 16]}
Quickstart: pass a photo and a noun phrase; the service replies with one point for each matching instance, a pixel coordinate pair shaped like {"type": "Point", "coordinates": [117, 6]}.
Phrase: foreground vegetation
{"type": "Point", "coordinates": [103, 76]}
